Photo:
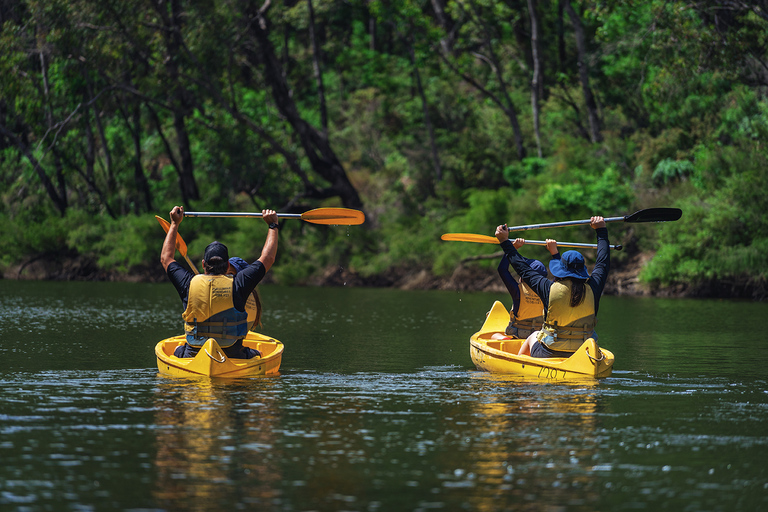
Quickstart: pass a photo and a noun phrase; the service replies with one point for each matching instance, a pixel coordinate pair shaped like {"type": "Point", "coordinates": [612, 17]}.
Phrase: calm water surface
{"type": "Point", "coordinates": [377, 407]}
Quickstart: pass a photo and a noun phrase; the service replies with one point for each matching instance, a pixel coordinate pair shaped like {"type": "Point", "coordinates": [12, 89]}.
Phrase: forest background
{"type": "Point", "coordinates": [432, 116]}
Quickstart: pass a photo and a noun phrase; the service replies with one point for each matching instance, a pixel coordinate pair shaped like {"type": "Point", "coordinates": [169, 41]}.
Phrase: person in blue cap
{"type": "Point", "coordinates": [572, 300]}
{"type": "Point", "coordinates": [215, 302]}
{"type": "Point", "coordinates": [527, 313]}
{"type": "Point", "coordinates": [253, 304]}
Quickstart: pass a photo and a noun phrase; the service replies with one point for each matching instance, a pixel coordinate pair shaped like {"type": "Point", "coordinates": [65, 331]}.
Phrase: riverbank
{"type": "Point", "coordinates": [623, 279]}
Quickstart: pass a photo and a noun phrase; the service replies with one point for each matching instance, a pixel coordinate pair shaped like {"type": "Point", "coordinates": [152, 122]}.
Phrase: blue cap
{"type": "Point", "coordinates": [570, 264]}
{"type": "Point", "coordinates": [238, 263]}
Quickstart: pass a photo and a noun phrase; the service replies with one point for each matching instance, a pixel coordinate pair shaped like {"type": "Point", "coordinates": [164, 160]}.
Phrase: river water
{"type": "Point", "coordinates": [377, 407]}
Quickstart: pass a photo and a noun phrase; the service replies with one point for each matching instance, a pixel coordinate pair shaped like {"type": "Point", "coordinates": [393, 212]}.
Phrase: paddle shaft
{"type": "Point", "coordinates": [239, 214]}
{"type": "Point", "coordinates": [485, 239]}
{"type": "Point", "coordinates": [327, 216]}
{"type": "Point", "coordinates": [647, 215]}
{"type": "Point", "coordinates": [561, 224]}
{"type": "Point", "coordinates": [570, 244]}
{"type": "Point", "coordinates": [191, 265]}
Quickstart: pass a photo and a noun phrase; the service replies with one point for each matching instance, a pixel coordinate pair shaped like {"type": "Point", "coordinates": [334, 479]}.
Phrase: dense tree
{"type": "Point", "coordinates": [425, 112]}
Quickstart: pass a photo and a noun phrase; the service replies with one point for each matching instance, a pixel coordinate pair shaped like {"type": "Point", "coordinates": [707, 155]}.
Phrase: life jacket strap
{"type": "Point", "coordinates": [572, 332]}
{"type": "Point", "coordinates": [528, 323]}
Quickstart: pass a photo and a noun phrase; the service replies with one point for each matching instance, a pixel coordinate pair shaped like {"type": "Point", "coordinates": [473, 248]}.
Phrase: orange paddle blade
{"type": "Point", "coordinates": [334, 216]}
{"type": "Point", "coordinates": [181, 245]}
{"type": "Point", "coordinates": [469, 237]}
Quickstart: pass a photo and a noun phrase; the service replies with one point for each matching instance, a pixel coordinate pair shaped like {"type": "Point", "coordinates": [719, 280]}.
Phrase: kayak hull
{"type": "Point", "coordinates": [500, 356]}
{"type": "Point", "coordinates": [211, 361]}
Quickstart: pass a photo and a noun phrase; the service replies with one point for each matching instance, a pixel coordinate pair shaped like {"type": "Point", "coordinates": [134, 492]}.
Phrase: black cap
{"type": "Point", "coordinates": [216, 249]}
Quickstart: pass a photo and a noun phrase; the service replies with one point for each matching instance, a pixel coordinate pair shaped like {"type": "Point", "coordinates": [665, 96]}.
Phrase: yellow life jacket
{"type": "Point", "coordinates": [252, 308]}
{"type": "Point", "coordinates": [530, 312]}
{"type": "Point", "coordinates": [567, 327]}
{"type": "Point", "coordinates": [211, 312]}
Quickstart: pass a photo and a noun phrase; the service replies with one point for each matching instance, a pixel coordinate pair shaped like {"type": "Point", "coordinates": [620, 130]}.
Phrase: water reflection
{"type": "Point", "coordinates": [215, 439]}
{"type": "Point", "coordinates": [537, 443]}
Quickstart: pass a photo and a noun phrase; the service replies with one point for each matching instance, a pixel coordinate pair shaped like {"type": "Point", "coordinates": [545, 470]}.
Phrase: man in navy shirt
{"type": "Point", "coordinates": [210, 310]}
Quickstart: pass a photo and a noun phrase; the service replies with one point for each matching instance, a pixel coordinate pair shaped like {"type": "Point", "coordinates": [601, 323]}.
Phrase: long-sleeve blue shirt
{"type": "Point", "coordinates": [509, 281]}
{"type": "Point", "coordinates": [541, 285]}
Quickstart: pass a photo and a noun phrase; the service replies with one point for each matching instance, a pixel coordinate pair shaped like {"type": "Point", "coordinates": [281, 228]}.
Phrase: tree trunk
{"type": "Point", "coordinates": [509, 106]}
{"type": "Point", "coordinates": [102, 135]}
{"type": "Point", "coordinates": [316, 60]}
{"type": "Point", "coordinates": [142, 186]}
{"type": "Point", "coordinates": [59, 201]}
{"type": "Point", "coordinates": [446, 23]}
{"type": "Point", "coordinates": [589, 99]}
{"type": "Point", "coordinates": [319, 152]}
{"type": "Point", "coordinates": [178, 99]}
{"type": "Point", "coordinates": [427, 121]}
{"type": "Point", "coordinates": [537, 81]}
{"type": "Point", "coordinates": [371, 33]}
{"type": "Point", "coordinates": [90, 142]}
{"type": "Point", "coordinates": [166, 143]}
{"type": "Point", "coordinates": [560, 37]}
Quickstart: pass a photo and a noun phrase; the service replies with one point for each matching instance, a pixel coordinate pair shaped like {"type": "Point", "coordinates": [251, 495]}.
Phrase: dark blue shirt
{"type": "Point", "coordinates": [243, 283]}
{"type": "Point", "coordinates": [541, 285]}
{"type": "Point", "coordinates": [509, 281]}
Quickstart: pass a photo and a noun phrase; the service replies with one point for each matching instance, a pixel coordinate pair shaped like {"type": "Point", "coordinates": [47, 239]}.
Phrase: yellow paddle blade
{"type": "Point", "coordinates": [469, 237]}
{"type": "Point", "coordinates": [334, 216]}
{"type": "Point", "coordinates": [181, 245]}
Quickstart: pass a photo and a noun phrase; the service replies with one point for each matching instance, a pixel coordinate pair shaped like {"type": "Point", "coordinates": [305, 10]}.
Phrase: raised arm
{"type": "Point", "coordinates": [599, 274]}
{"type": "Point", "coordinates": [538, 283]}
{"type": "Point", "coordinates": [169, 244]}
{"type": "Point", "coordinates": [269, 251]}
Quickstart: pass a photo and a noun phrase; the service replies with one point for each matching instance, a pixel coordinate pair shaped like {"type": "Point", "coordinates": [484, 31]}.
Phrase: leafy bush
{"type": "Point", "coordinates": [669, 170]}
{"type": "Point", "coordinates": [588, 194]}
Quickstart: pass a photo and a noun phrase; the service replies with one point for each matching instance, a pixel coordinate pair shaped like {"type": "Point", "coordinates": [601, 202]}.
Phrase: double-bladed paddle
{"type": "Point", "coordinates": [647, 215]}
{"type": "Point", "coordinates": [329, 216]}
{"type": "Point", "coordinates": [484, 239]}
{"type": "Point", "coordinates": [180, 244]}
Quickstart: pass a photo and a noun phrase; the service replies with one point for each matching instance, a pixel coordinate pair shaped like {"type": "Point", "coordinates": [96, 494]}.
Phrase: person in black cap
{"type": "Point", "coordinates": [215, 302]}
{"type": "Point", "coordinates": [572, 300]}
{"type": "Point", "coordinates": [527, 313]}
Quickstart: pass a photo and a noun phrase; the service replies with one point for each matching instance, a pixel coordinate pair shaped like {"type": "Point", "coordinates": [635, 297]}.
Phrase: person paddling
{"type": "Point", "coordinates": [215, 302]}
{"type": "Point", "coordinates": [527, 313]}
{"type": "Point", "coordinates": [571, 301]}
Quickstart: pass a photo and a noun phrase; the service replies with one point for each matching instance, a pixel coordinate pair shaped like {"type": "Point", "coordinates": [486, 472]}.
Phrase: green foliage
{"type": "Point", "coordinates": [585, 193]}
{"type": "Point", "coordinates": [723, 234]}
{"type": "Point", "coordinates": [517, 172]}
{"type": "Point", "coordinates": [669, 170]}
{"type": "Point", "coordinates": [683, 114]}
{"type": "Point", "coordinates": [120, 245]}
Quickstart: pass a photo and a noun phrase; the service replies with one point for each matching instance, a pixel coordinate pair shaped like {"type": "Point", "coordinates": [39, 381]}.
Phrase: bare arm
{"type": "Point", "coordinates": [269, 251]}
{"type": "Point", "coordinates": [169, 245]}
{"type": "Point", "coordinates": [552, 246]}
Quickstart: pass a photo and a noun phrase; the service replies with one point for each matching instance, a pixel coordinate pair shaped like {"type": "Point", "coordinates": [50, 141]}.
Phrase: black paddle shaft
{"type": "Point", "coordinates": [647, 215]}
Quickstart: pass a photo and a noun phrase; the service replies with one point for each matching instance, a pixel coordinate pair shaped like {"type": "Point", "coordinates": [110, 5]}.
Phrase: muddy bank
{"type": "Point", "coordinates": [622, 280]}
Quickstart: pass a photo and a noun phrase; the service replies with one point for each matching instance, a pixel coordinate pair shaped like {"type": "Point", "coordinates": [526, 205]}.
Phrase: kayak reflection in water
{"type": "Point", "coordinates": [527, 313]}
{"type": "Point", "coordinates": [215, 303]}
{"type": "Point", "coordinates": [571, 301]}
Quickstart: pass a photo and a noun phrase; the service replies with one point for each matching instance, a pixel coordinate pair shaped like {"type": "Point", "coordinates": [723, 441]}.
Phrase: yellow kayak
{"type": "Point", "coordinates": [500, 356]}
{"type": "Point", "coordinates": [212, 362]}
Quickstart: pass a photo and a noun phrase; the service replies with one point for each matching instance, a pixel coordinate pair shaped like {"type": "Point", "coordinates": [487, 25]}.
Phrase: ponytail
{"type": "Point", "coordinates": [578, 292]}
{"type": "Point", "coordinates": [257, 320]}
